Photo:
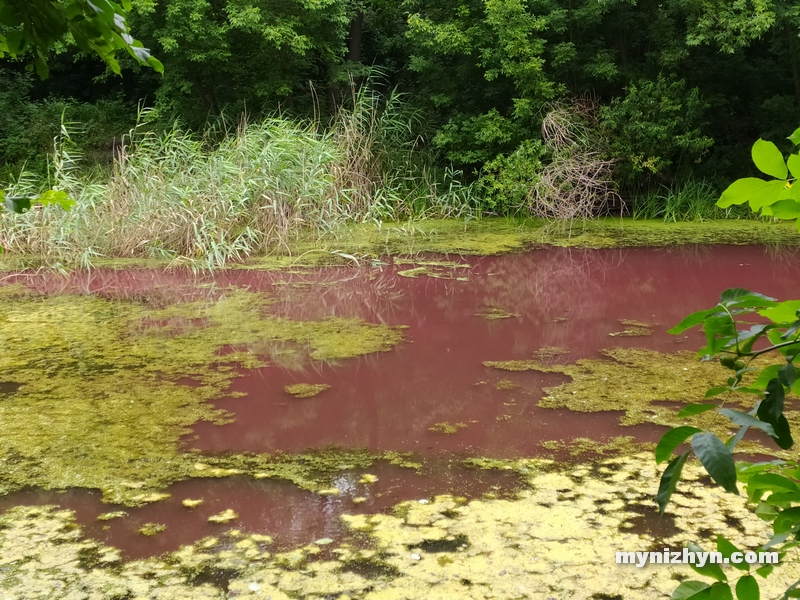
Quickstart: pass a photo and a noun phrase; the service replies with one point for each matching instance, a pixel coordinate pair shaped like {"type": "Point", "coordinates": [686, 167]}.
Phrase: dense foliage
{"type": "Point", "coordinates": [678, 86]}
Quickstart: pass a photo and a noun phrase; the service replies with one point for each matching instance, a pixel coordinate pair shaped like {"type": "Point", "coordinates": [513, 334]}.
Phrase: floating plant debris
{"type": "Point", "coordinates": [151, 529]}
{"type": "Point", "coordinates": [633, 329]}
{"type": "Point", "coordinates": [226, 516]}
{"type": "Point", "coordinates": [447, 427]}
{"type": "Point", "coordinates": [306, 390]}
{"type": "Point", "coordinates": [494, 313]}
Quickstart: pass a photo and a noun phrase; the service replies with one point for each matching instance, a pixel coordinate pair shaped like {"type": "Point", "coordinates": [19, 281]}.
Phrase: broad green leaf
{"type": "Point", "coordinates": [783, 499]}
{"type": "Point", "coordinates": [17, 204]}
{"type": "Point", "coordinates": [782, 312]}
{"type": "Point", "coordinates": [785, 209]}
{"type": "Point", "coordinates": [726, 548]}
{"type": "Point", "coordinates": [716, 458]}
{"type": "Point", "coordinates": [741, 190]}
{"type": "Point", "coordinates": [772, 482]}
{"type": "Point", "coordinates": [747, 588]}
{"type": "Point", "coordinates": [742, 297]}
{"type": "Point", "coordinates": [769, 159]}
{"type": "Point", "coordinates": [795, 137]}
{"type": "Point", "coordinates": [771, 408]}
{"type": "Point", "coordinates": [776, 540]}
{"type": "Point", "coordinates": [786, 375]}
{"type": "Point", "coordinates": [786, 520]}
{"type": "Point", "coordinates": [767, 195]}
{"type": "Point", "coordinates": [765, 570]}
{"type": "Point", "coordinates": [692, 320]}
{"type": "Point", "coordinates": [696, 409]}
{"type": "Point", "coordinates": [709, 569]}
{"type": "Point", "coordinates": [766, 511]}
{"type": "Point", "coordinates": [743, 419]}
{"type": "Point", "coordinates": [766, 375]}
{"type": "Point", "coordinates": [690, 589]}
{"type": "Point", "coordinates": [669, 480]}
{"type": "Point", "coordinates": [721, 591]}
{"type": "Point", "coordinates": [671, 440]}
{"type": "Point", "coordinates": [731, 443]}
{"type": "Point", "coordinates": [793, 162]}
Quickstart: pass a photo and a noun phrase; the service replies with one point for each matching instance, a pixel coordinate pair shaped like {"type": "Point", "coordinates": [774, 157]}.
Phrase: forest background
{"type": "Point", "coordinates": [387, 110]}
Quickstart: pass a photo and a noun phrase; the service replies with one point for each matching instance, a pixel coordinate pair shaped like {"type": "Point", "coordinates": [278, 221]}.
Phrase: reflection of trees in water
{"type": "Point", "coordinates": [368, 293]}
{"type": "Point", "coordinates": [549, 286]}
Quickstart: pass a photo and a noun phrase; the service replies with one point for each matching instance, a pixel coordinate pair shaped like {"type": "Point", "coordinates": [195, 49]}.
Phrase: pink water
{"type": "Point", "coordinates": [388, 401]}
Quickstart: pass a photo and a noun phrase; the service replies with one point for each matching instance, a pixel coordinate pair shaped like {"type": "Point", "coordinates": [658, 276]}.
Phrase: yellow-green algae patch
{"type": "Point", "coordinates": [306, 390]}
{"type": "Point", "coordinates": [647, 386]}
{"type": "Point", "coordinates": [446, 427]}
{"type": "Point", "coordinates": [103, 402]}
{"type": "Point", "coordinates": [633, 329]}
{"type": "Point", "coordinates": [489, 236]}
{"type": "Point", "coordinates": [556, 539]}
{"type": "Point", "coordinates": [151, 529]}
{"type": "Point", "coordinates": [494, 313]}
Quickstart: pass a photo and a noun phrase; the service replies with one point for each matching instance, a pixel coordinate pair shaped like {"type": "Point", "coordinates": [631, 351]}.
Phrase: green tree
{"type": "Point", "coordinates": [95, 26]}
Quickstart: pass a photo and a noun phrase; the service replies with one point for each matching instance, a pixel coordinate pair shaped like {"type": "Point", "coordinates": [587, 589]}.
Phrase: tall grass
{"type": "Point", "coordinates": [691, 200]}
{"type": "Point", "coordinates": [209, 201]}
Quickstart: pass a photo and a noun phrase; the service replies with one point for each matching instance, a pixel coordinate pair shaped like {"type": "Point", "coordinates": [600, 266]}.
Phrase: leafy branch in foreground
{"type": "Point", "coordinates": [96, 26]}
{"type": "Point", "coordinates": [778, 197]}
{"type": "Point", "coordinates": [741, 327]}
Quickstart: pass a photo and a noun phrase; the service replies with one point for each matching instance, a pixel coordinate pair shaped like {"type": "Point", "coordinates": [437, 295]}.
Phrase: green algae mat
{"type": "Point", "coordinates": [98, 393]}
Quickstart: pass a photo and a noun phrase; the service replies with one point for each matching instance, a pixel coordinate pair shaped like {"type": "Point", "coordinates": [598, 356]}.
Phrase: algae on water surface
{"type": "Point", "coordinates": [107, 388]}
{"type": "Point", "coordinates": [558, 539]}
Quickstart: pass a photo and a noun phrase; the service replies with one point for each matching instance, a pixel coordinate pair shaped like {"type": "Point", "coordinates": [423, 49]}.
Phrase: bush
{"type": "Point", "coordinates": [655, 130]}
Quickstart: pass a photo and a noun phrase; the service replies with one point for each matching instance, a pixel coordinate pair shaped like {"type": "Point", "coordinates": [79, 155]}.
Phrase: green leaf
{"type": "Point", "coordinates": [772, 482]}
{"type": "Point", "coordinates": [669, 480]}
{"type": "Point", "coordinates": [782, 312]}
{"type": "Point", "coordinates": [742, 297]}
{"type": "Point", "coordinates": [717, 460]}
{"type": "Point", "coordinates": [766, 512]}
{"type": "Point", "coordinates": [768, 195]}
{"type": "Point", "coordinates": [721, 591]}
{"type": "Point", "coordinates": [765, 570]}
{"type": "Point", "coordinates": [692, 320]}
{"type": "Point", "coordinates": [786, 520]}
{"type": "Point", "coordinates": [766, 375]}
{"type": "Point", "coordinates": [743, 419]}
{"type": "Point", "coordinates": [747, 588]}
{"type": "Point", "coordinates": [690, 589]}
{"type": "Point", "coordinates": [793, 162]}
{"type": "Point", "coordinates": [731, 443]}
{"type": "Point", "coordinates": [726, 548]}
{"type": "Point", "coordinates": [795, 137]}
{"type": "Point", "coordinates": [786, 375]}
{"type": "Point", "coordinates": [709, 569]}
{"type": "Point", "coordinates": [17, 204]}
{"type": "Point", "coordinates": [671, 440]}
{"type": "Point", "coordinates": [696, 409]}
{"type": "Point", "coordinates": [785, 209]}
{"type": "Point", "coordinates": [769, 159]}
{"type": "Point", "coordinates": [741, 190]}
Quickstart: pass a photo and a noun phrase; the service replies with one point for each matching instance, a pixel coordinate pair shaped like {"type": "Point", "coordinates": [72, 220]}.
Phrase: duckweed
{"type": "Point", "coordinates": [570, 522]}
{"type": "Point", "coordinates": [107, 388]}
{"type": "Point", "coordinates": [447, 427]}
{"type": "Point", "coordinates": [151, 529]}
{"type": "Point", "coordinates": [306, 390]}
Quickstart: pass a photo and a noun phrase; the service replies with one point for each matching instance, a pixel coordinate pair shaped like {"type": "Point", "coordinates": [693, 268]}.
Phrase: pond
{"type": "Point", "coordinates": [298, 401]}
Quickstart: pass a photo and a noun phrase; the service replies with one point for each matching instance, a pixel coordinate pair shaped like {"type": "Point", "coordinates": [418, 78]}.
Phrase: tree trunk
{"type": "Point", "coordinates": [354, 43]}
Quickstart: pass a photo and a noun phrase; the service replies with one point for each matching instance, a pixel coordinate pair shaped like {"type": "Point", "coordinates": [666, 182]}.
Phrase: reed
{"type": "Point", "coordinates": [207, 200]}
